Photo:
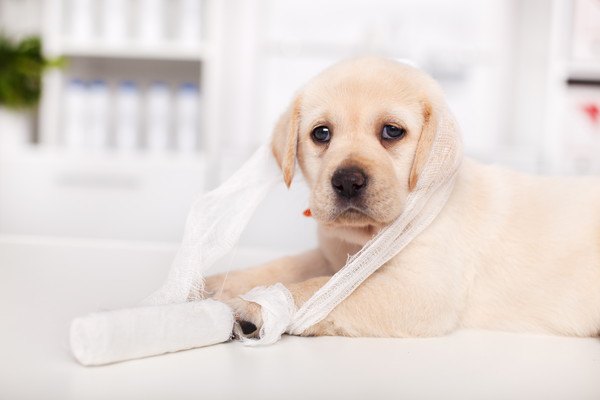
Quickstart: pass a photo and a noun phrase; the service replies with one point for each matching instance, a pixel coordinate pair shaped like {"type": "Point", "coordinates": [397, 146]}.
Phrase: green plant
{"type": "Point", "coordinates": [22, 64]}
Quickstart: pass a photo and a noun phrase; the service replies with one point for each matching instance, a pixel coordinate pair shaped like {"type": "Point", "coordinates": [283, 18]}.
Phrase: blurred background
{"type": "Point", "coordinates": [131, 107]}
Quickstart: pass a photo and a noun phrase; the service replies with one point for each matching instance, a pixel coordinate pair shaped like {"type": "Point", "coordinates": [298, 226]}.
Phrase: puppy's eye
{"type": "Point", "coordinates": [321, 134]}
{"type": "Point", "coordinates": [391, 132]}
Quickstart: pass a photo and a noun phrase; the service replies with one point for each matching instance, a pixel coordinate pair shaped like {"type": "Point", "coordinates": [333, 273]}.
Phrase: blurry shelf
{"type": "Point", "coordinates": [49, 192]}
{"type": "Point", "coordinates": [106, 161]}
{"type": "Point", "coordinates": [164, 51]}
{"type": "Point", "coordinates": [589, 70]}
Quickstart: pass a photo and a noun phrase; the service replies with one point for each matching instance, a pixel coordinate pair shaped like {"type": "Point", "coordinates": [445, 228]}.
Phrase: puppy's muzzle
{"type": "Point", "coordinates": [349, 182]}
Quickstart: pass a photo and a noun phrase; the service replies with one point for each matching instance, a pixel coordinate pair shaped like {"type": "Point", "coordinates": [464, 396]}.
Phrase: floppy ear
{"type": "Point", "coordinates": [284, 143]}
{"type": "Point", "coordinates": [430, 127]}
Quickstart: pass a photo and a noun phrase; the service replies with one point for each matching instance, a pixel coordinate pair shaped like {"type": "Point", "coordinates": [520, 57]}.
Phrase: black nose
{"type": "Point", "coordinates": [348, 182]}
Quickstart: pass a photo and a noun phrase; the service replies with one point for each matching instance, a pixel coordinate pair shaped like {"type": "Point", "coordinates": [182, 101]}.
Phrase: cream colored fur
{"type": "Point", "coordinates": [508, 252]}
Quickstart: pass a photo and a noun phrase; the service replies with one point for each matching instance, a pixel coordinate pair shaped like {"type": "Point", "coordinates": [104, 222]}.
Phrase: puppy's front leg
{"type": "Point", "coordinates": [397, 302]}
{"type": "Point", "coordinates": [385, 306]}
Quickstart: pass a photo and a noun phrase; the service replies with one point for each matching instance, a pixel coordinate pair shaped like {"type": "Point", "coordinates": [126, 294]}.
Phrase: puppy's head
{"type": "Point", "coordinates": [361, 132]}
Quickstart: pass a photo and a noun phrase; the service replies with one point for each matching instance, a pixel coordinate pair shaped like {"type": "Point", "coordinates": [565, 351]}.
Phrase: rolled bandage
{"type": "Point", "coordinates": [112, 336]}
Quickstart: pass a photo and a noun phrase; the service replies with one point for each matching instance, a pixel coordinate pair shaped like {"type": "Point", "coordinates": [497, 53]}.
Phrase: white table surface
{"type": "Point", "coordinates": [43, 286]}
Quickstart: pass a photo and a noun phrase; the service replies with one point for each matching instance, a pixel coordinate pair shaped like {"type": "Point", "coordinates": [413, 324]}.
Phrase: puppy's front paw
{"type": "Point", "coordinates": [248, 318]}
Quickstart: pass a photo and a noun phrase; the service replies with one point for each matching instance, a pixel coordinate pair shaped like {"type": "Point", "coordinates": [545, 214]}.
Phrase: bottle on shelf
{"type": "Point", "coordinates": [189, 26]}
{"type": "Point", "coordinates": [187, 121]}
{"type": "Point", "coordinates": [127, 117]}
{"type": "Point", "coordinates": [151, 27]}
{"type": "Point", "coordinates": [158, 117]}
{"type": "Point", "coordinates": [99, 116]}
{"type": "Point", "coordinates": [74, 114]}
{"type": "Point", "coordinates": [114, 20]}
{"type": "Point", "coordinates": [80, 22]}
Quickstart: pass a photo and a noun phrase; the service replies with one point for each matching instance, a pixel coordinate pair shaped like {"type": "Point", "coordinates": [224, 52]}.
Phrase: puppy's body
{"type": "Point", "coordinates": [533, 247]}
{"type": "Point", "coordinates": [508, 251]}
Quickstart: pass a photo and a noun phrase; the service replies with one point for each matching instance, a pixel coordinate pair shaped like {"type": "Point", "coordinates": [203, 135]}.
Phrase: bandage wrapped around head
{"type": "Point", "coordinates": [218, 218]}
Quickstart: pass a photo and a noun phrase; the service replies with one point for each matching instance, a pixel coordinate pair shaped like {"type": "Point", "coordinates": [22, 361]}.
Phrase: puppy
{"type": "Point", "coordinates": [507, 252]}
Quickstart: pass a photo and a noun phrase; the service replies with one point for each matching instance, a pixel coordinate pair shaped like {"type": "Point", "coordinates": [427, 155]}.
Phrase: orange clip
{"type": "Point", "coordinates": [307, 213]}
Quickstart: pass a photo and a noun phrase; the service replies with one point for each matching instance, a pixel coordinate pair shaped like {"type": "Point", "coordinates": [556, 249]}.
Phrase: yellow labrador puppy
{"type": "Point", "coordinates": [508, 251]}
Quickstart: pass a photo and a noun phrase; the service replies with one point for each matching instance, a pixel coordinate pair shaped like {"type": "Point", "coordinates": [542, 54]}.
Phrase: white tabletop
{"type": "Point", "coordinates": [43, 286]}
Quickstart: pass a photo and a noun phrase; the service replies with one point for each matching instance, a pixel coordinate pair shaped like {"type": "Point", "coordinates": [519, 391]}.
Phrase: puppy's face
{"type": "Point", "coordinates": [360, 138]}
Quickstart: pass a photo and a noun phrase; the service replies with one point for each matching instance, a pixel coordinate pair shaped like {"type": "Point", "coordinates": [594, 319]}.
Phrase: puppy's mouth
{"type": "Point", "coordinates": [353, 216]}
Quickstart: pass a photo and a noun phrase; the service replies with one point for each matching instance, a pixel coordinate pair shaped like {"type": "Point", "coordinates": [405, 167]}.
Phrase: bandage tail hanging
{"type": "Point", "coordinates": [214, 226]}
